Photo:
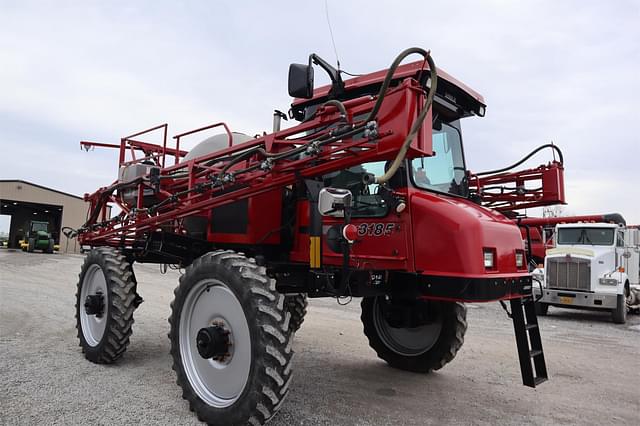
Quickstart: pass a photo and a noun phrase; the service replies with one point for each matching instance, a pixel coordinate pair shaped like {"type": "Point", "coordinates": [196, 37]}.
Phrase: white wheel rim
{"type": "Point", "coordinates": [406, 341]}
{"type": "Point", "coordinates": [211, 302]}
{"type": "Point", "coordinates": [93, 327]}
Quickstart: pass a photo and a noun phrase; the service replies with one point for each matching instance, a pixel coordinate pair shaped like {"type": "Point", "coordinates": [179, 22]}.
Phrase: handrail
{"type": "Point", "coordinates": [126, 139]}
{"type": "Point", "coordinates": [159, 126]}
{"type": "Point", "coordinates": [190, 132]}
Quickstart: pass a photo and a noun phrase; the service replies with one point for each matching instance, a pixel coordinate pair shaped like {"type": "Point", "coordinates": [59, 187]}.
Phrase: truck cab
{"type": "Point", "coordinates": [593, 266]}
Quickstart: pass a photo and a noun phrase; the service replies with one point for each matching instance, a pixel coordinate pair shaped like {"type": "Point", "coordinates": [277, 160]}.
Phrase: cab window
{"type": "Point", "coordinates": [367, 202]}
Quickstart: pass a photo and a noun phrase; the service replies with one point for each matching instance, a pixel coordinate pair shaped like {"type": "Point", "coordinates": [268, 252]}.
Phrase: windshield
{"type": "Point", "coordinates": [39, 226]}
{"type": "Point", "coordinates": [586, 236]}
{"type": "Point", "coordinates": [445, 170]}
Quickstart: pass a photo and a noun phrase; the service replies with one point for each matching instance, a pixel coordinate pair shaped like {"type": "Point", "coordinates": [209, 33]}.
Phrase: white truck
{"type": "Point", "coordinates": [593, 266]}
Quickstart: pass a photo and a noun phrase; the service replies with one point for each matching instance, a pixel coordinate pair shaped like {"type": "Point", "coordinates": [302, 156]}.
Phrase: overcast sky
{"type": "Point", "coordinates": [567, 72]}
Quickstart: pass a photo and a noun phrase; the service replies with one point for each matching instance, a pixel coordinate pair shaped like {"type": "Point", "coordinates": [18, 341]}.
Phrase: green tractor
{"type": "Point", "coordinates": [38, 238]}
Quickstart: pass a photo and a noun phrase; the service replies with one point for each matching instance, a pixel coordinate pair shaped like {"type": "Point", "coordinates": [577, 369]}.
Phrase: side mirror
{"type": "Point", "coordinates": [301, 81]}
{"type": "Point", "coordinates": [333, 201]}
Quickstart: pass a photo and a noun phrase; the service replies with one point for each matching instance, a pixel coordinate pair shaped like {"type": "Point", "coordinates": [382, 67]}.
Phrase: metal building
{"type": "Point", "coordinates": [26, 201]}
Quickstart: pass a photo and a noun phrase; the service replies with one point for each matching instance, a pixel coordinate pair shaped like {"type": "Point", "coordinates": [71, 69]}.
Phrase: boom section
{"type": "Point", "coordinates": [333, 139]}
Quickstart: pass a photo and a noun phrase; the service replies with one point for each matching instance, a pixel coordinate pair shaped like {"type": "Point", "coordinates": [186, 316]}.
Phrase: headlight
{"type": "Point", "coordinates": [608, 281]}
{"type": "Point", "coordinates": [489, 258]}
{"type": "Point", "coordinates": [519, 259]}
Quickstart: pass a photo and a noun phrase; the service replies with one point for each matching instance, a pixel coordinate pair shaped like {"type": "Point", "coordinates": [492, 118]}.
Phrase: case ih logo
{"type": "Point", "coordinates": [375, 229]}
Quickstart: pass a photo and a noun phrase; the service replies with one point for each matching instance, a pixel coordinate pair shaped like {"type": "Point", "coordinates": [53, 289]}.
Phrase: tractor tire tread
{"type": "Point", "coordinates": [122, 291]}
{"type": "Point", "coordinates": [270, 374]}
{"type": "Point", "coordinates": [444, 350]}
{"type": "Point", "coordinates": [296, 305]}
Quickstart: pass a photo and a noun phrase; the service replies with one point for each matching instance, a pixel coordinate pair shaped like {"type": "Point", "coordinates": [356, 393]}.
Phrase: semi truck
{"type": "Point", "coordinates": [538, 232]}
{"type": "Point", "coordinates": [592, 266]}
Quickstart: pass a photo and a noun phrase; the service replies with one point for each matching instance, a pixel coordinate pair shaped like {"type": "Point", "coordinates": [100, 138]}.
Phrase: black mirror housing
{"type": "Point", "coordinates": [301, 81]}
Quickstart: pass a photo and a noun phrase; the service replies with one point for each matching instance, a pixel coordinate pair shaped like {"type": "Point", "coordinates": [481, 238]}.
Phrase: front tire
{"type": "Point", "coordinates": [243, 377]}
{"type": "Point", "coordinates": [542, 309]}
{"type": "Point", "coordinates": [105, 302]}
{"type": "Point", "coordinates": [419, 349]}
{"type": "Point", "coordinates": [619, 314]}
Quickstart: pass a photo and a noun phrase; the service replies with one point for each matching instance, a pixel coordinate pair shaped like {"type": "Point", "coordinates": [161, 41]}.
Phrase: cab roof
{"type": "Point", "coordinates": [588, 225]}
{"type": "Point", "coordinates": [450, 90]}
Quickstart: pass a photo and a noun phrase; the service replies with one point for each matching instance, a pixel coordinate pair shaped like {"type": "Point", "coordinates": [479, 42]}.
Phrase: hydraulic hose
{"type": "Point", "coordinates": [418, 122]}
{"type": "Point", "coordinates": [531, 154]}
{"type": "Point", "coordinates": [339, 105]}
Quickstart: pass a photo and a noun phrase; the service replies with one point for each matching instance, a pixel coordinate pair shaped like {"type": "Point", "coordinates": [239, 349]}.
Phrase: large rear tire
{"type": "Point", "coordinates": [105, 302]}
{"type": "Point", "coordinates": [419, 349]}
{"type": "Point", "coordinates": [230, 340]}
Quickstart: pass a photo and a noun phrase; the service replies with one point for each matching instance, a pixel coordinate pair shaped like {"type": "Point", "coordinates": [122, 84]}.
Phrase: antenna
{"type": "Point", "coordinates": [333, 41]}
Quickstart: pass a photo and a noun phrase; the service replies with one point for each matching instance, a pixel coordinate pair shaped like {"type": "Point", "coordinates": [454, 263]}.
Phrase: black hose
{"type": "Point", "coordinates": [418, 122]}
{"type": "Point", "coordinates": [531, 154]}
{"type": "Point", "coordinates": [391, 71]}
{"type": "Point", "coordinates": [338, 105]}
{"type": "Point", "coordinates": [69, 232]}
{"type": "Point", "coordinates": [277, 156]}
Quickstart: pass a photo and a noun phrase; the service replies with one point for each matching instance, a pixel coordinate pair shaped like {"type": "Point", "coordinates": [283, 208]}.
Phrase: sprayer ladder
{"type": "Point", "coordinates": [529, 343]}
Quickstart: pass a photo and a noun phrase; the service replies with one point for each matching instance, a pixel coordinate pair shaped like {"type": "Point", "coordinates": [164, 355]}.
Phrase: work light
{"type": "Point", "coordinates": [489, 258]}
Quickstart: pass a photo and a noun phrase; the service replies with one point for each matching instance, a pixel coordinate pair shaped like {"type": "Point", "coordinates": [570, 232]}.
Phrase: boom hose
{"type": "Point", "coordinates": [419, 121]}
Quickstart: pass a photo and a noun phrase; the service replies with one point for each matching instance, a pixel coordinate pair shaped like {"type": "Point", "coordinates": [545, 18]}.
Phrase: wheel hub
{"type": "Point", "coordinates": [213, 343]}
{"type": "Point", "coordinates": [94, 304]}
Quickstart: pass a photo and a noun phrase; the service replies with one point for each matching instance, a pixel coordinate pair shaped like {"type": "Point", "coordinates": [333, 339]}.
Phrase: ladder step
{"type": "Point", "coordinates": [539, 380]}
{"type": "Point", "coordinates": [535, 353]}
{"type": "Point", "coordinates": [531, 326]}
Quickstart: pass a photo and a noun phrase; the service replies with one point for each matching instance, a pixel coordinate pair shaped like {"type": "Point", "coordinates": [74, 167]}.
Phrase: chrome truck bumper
{"type": "Point", "coordinates": [577, 299]}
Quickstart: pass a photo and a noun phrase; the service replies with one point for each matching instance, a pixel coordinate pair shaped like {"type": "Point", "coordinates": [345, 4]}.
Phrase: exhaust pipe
{"type": "Point", "coordinates": [277, 120]}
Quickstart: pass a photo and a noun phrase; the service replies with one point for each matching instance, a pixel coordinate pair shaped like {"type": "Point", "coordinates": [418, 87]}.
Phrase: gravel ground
{"type": "Point", "coordinates": [44, 379]}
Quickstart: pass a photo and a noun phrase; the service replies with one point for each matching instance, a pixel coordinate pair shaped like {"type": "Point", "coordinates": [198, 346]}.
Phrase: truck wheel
{"type": "Point", "coordinates": [230, 340]}
{"type": "Point", "coordinates": [542, 309]}
{"type": "Point", "coordinates": [32, 245]}
{"type": "Point", "coordinates": [105, 302]}
{"type": "Point", "coordinates": [49, 249]}
{"type": "Point", "coordinates": [420, 349]}
{"type": "Point", "coordinates": [619, 314]}
{"type": "Point", "coordinates": [297, 307]}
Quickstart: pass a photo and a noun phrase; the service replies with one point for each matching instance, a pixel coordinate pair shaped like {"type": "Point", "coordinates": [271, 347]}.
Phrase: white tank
{"type": "Point", "coordinates": [196, 226]}
{"type": "Point", "coordinates": [215, 143]}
